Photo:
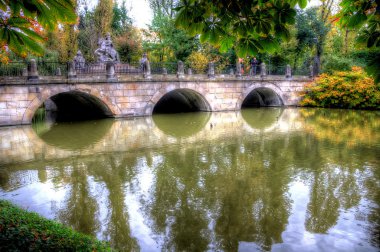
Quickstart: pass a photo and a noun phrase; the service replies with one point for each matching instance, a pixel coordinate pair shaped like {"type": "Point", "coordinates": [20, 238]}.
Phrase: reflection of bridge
{"type": "Point", "coordinates": [137, 96]}
{"type": "Point", "coordinates": [22, 144]}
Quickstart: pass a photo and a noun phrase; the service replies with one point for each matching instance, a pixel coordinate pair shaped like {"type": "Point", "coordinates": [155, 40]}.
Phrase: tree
{"type": "Point", "coordinates": [165, 41]}
{"type": "Point", "coordinates": [250, 26]}
{"type": "Point", "coordinates": [103, 17]}
{"type": "Point", "coordinates": [23, 22]}
{"type": "Point", "coordinates": [121, 22]}
{"type": "Point", "coordinates": [364, 15]}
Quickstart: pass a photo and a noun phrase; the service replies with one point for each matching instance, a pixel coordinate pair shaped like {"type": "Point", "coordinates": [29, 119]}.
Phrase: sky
{"type": "Point", "coordinates": [141, 13]}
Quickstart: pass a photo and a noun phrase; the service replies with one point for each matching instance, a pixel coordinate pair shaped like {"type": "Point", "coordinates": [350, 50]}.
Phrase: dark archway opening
{"type": "Point", "coordinates": [75, 106]}
{"type": "Point", "coordinates": [262, 97]}
{"type": "Point", "coordinates": [181, 101]}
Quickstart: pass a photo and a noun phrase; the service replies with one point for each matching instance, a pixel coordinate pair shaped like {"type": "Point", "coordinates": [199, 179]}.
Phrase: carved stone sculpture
{"type": "Point", "coordinates": [79, 60]}
{"type": "Point", "coordinates": [106, 52]}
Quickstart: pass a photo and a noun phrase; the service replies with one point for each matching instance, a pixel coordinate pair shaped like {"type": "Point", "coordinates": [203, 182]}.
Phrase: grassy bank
{"type": "Point", "coordinates": [25, 231]}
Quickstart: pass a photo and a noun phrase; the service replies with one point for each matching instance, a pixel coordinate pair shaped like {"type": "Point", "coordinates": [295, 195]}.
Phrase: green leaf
{"type": "Point", "coordinates": [226, 43]}
{"type": "Point", "coordinates": [302, 3]}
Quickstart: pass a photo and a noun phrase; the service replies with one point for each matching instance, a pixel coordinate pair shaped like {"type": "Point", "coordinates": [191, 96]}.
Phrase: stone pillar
{"type": "Point", "coordinates": [58, 71]}
{"type": "Point", "coordinates": [263, 70]}
{"type": "Point", "coordinates": [311, 71]}
{"type": "Point", "coordinates": [110, 70]}
{"type": "Point", "coordinates": [25, 72]}
{"type": "Point", "coordinates": [164, 71]}
{"type": "Point", "coordinates": [146, 70]}
{"type": "Point", "coordinates": [238, 69]}
{"type": "Point", "coordinates": [32, 70]}
{"type": "Point", "coordinates": [180, 70]}
{"type": "Point", "coordinates": [190, 71]}
{"type": "Point", "coordinates": [71, 73]}
{"type": "Point", "coordinates": [288, 71]}
{"type": "Point", "coordinates": [231, 71]}
{"type": "Point", "coordinates": [211, 70]}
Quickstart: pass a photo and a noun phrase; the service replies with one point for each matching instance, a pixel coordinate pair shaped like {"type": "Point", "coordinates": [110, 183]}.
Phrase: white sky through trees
{"type": "Point", "coordinates": [141, 13]}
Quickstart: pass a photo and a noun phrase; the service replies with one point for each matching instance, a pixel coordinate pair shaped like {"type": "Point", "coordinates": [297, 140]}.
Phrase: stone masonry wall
{"type": "Point", "coordinates": [135, 96]}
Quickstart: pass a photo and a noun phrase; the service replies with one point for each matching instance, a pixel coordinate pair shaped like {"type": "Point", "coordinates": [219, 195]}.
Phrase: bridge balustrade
{"type": "Point", "coordinates": [51, 68]}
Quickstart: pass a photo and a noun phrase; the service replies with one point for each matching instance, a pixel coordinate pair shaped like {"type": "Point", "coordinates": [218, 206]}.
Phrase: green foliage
{"type": "Point", "coordinates": [103, 17]}
{"type": "Point", "coordinates": [252, 27]}
{"type": "Point", "coordinates": [24, 231]}
{"type": "Point", "coordinates": [165, 42]}
{"type": "Point", "coordinates": [198, 62]}
{"type": "Point", "coordinates": [353, 89]}
{"type": "Point", "coordinates": [365, 16]}
{"type": "Point", "coordinates": [23, 22]}
{"type": "Point", "coordinates": [121, 22]}
{"type": "Point", "coordinates": [333, 63]}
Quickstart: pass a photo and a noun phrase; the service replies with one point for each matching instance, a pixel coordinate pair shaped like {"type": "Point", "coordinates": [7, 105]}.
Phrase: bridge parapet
{"type": "Point", "coordinates": [133, 95]}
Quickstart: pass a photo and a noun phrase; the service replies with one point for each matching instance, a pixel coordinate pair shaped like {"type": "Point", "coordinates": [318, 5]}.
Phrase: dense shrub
{"type": "Point", "coordinates": [353, 89]}
{"type": "Point", "coordinates": [198, 62]}
{"type": "Point", "coordinates": [333, 63]}
{"type": "Point", "coordinates": [24, 231]}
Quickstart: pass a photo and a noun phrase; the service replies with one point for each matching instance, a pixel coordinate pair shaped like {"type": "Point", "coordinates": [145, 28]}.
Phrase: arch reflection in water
{"type": "Point", "coordinates": [181, 100]}
{"type": "Point", "coordinates": [75, 136]}
{"type": "Point", "coordinates": [181, 125]}
{"type": "Point", "coordinates": [261, 118]}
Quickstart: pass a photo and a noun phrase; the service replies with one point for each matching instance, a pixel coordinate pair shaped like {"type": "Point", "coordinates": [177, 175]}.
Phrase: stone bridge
{"type": "Point", "coordinates": [134, 95]}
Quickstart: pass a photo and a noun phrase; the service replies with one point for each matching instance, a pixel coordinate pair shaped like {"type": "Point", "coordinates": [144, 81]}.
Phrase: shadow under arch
{"type": "Point", "coordinates": [262, 97]}
{"type": "Point", "coordinates": [77, 106]}
{"type": "Point", "coordinates": [84, 97]}
{"type": "Point", "coordinates": [76, 135]}
{"type": "Point", "coordinates": [181, 100]}
{"type": "Point", "coordinates": [181, 125]}
{"type": "Point", "coordinates": [261, 118]}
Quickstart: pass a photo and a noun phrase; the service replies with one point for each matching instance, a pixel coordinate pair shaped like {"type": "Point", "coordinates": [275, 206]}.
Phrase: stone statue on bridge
{"type": "Point", "coordinates": [79, 60]}
{"type": "Point", "coordinates": [106, 52]}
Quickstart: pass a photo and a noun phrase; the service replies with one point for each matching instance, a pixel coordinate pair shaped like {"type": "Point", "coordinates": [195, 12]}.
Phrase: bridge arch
{"type": "Point", "coordinates": [83, 94]}
{"type": "Point", "coordinates": [261, 95]}
{"type": "Point", "coordinates": [184, 99]}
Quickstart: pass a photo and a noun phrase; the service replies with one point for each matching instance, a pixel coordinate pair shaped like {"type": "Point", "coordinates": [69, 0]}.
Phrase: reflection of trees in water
{"type": "Point", "coordinates": [346, 127]}
{"type": "Point", "coordinates": [115, 172]}
{"type": "Point", "coordinates": [214, 196]}
{"type": "Point", "coordinates": [81, 209]}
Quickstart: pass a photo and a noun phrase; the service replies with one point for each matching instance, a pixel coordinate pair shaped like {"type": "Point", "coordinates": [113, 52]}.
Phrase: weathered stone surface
{"type": "Point", "coordinates": [138, 96]}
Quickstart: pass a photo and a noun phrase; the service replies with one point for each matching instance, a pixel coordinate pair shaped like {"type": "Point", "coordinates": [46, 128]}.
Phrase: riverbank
{"type": "Point", "coordinates": [21, 230]}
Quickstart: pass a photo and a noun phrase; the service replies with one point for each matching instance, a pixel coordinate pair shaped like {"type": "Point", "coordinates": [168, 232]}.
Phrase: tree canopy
{"type": "Point", "coordinates": [251, 26]}
{"type": "Point", "coordinates": [22, 23]}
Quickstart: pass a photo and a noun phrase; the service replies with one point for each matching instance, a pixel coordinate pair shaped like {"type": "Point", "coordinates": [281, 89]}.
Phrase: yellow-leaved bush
{"type": "Point", "coordinates": [351, 89]}
{"type": "Point", "coordinates": [198, 62]}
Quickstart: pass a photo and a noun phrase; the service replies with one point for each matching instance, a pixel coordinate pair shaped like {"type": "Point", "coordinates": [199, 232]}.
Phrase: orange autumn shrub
{"type": "Point", "coordinates": [353, 89]}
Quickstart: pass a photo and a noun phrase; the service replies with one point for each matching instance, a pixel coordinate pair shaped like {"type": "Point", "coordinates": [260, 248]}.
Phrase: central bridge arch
{"type": "Point", "coordinates": [178, 100]}
{"type": "Point", "coordinates": [261, 95]}
{"type": "Point", "coordinates": [85, 102]}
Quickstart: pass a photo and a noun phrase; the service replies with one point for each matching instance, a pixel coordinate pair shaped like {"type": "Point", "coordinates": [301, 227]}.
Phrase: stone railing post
{"type": "Point", "coordinates": [146, 70]}
{"type": "Point", "coordinates": [58, 71]}
{"type": "Point", "coordinates": [71, 73]}
{"type": "Point", "coordinates": [231, 71]}
{"type": "Point", "coordinates": [25, 72]}
{"type": "Point", "coordinates": [311, 71]}
{"type": "Point", "coordinates": [110, 70]}
{"type": "Point", "coordinates": [263, 70]}
{"type": "Point", "coordinates": [189, 71]}
{"type": "Point", "coordinates": [238, 69]}
{"type": "Point", "coordinates": [211, 70]}
{"type": "Point", "coordinates": [164, 71]}
{"type": "Point", "coordinates": [288, 71]}
{"type": "Point", "coordinates": [32, 70]}
{"type": "Point", "coordinates": [180, 70]}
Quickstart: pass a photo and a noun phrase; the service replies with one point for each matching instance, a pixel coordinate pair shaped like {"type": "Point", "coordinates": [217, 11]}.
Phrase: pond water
{"type": "Point", "coordinates": [268, 179]}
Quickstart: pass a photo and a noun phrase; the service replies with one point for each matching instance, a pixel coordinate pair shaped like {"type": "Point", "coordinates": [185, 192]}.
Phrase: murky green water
{"type": "Point", "coordinates": [263, 179]}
